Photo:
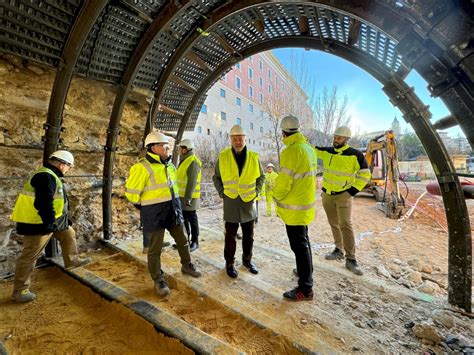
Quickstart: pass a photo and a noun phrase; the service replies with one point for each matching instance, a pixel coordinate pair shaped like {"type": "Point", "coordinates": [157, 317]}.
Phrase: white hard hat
{"type": "Point", "coordinates": [187, 143]}
{"type": "Point", "coordinates": [343, 131]}
{"type": "Point", "coordinates": [155, 137]}
{"type": "Point", "coordinates": [63, 156]}
{"type": "Point", "coordinates": [290, 124]}
{"type": "Point", "coordinates": [237, 130]}
{"type": "Point", "coordinates": [270, 165]}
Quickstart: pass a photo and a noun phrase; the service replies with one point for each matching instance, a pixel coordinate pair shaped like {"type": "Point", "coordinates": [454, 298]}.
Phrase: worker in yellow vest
{"type": "Point", "coordinates": [295, 195]}
{"type": "Point", "coordinates": [238, 178]}
{"type": "Point", "coordinates": [270, 177]}
{"type": "Point", "coordinates": [189, 187]}
{"type": "Point", "coordinates": [152, 188]}
{"type": "Point", "coordinates": [41, 213]}
{"type": "Point", "coordinates": [345, 173]}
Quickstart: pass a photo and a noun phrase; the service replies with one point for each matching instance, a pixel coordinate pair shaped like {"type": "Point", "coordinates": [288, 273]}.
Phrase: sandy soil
{"type": "Point", "coordinates": [380, 312]}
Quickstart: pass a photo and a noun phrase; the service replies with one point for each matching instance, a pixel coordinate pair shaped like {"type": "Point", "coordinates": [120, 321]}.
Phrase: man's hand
{"type": "Point", "coordinates": [137, 206]}
{"type": "Point", "coordinates": [188, 203]}
{"type": "Point", "coordinates": [51, 228]}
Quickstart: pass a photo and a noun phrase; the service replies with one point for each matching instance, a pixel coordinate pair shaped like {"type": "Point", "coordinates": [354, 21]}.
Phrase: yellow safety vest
{"type": "Point", "coordinates": [235, 185]}
{"type": "Point", "coordinates": [270, 179]}
{"type": "Point", "coordinates": [25, 211]}
{"type": "Point", "coordinates": [342, 171]}
{"type": "Point", "coordinates": [295, 186]}
{"type": "Point", "coordinates": [183, 177]}
{"type": "Point", "coordinates": [149, 184]}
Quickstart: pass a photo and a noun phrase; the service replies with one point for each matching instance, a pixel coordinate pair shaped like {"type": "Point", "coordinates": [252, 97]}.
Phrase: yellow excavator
{"type": "Point", "coordinates": [382, 158]}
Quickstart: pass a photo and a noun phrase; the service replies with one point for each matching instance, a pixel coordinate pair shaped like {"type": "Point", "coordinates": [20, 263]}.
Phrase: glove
{"type": "Point", "coordinates": [137, 206]}
{"type": "Point", "coordinates": [352, 190]}
{"type": "Point", "coordinates": [188, 203]}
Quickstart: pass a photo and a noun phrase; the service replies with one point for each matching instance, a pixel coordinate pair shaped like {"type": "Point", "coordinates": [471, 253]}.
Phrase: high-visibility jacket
{"type": "Point", "coordinates": [270, 180]}
{"type": "Point", "coordinates": [295, 186]}
{"type": "Point", "coordinates": [150, 184]}
{"type": "Point", "coordinates": [344, 168]}
{"type": "Point", "coordinates": [235, 185]}
{"type": "Point", "coordinates": [183, 177]}
{"type": "Point", "coordinates": [25, 211]}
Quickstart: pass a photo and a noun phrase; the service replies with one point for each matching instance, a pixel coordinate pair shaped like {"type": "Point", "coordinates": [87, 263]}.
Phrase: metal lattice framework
{"type": "Point", "coordinates": [180, 48]}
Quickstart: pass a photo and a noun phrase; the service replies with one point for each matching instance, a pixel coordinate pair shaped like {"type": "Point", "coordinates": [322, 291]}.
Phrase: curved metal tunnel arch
{"type": "Point", "coordinates": [400, 94]}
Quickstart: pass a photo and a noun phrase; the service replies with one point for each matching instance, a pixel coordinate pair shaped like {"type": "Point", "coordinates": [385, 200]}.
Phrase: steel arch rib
{"type": "Point", "coordinates": [78, 34]}
{"type": "Point", "coordinates": [165, 17]}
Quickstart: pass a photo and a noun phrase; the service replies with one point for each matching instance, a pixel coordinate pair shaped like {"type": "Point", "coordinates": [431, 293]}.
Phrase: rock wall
{"type": "Point", "coordinates": [24, 99]}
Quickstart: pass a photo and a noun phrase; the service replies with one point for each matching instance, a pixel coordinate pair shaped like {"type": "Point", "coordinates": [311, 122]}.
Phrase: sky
{"type": "Point", "coordinates": [368, 105]}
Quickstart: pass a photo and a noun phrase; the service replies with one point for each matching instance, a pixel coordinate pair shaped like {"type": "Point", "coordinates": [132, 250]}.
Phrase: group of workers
{"type": "Point", "coordinates": [168, 198]}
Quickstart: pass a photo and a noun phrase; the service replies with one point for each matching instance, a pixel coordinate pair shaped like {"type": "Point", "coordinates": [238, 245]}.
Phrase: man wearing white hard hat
{"type": "Point", "coordinates": [295, 196]}
{"type": "Point", "coordinates": [41, 213]}
{"type": "Point", "coordinates": [189, 186]}
{"type": "Point", "coordinates": [270, 177]}
{"type": "Point", "coordinates": [238, 178]}
{"type": "Point", "coordinates": [152, 187]}
{"type": "Point", "coordinates": [345, 173]}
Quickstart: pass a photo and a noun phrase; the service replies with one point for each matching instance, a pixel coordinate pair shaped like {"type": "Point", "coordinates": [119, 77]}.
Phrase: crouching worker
{"type": "Point", "coordinates": [152, 188]}
{"type": "Point", "coordinates": [41, 212]}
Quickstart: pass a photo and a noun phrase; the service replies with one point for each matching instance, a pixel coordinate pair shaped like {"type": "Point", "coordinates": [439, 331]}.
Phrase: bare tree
{"type": "Point", "coordinates": [330, 111]}
{"type": "Point", "coordinates": [207, 148]}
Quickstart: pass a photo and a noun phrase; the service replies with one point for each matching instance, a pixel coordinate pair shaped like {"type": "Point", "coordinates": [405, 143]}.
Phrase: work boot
{"type": "Point", "coordinates": [335, 255]}
{"type": "Point", "coordinates": [23, 296]}
{"type": "Point", "coordinates": [77, 262]}
{"type": "Point", "coordinates": [297, 295]}
{"type": "Point", "coordinates": [250, 266]}
{"type": "Point", "coordinates": [190, 269]}
{"type": "Point", "coordinates": [162, 289]}
{"type": "Point", "coordinates": [231, 271]}
{"type": "Point", "coordinates": [352, 266]}
{"type": "Point", "coordinates": [193, 246]}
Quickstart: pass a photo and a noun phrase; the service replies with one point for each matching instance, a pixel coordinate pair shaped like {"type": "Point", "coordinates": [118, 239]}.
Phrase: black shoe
{"type": "Point", "coordinates": [250, 266]}
{"type": "Point", "coordinates": [297, 295]}
{"type": "Point", "coordinates": [193, 246]}
{"type": "Point", "coordinates": [335, 255]}
{"type": "Point", "coordinates": [354, 267]}
{"type": "Point", "coordinates": [295, 271]}
{"type": "Point", "coordinates": [231, 271]}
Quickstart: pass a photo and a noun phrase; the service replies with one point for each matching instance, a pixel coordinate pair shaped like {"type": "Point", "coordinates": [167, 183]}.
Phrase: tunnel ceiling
{"type": "Point", "coordinates": [181, 43]}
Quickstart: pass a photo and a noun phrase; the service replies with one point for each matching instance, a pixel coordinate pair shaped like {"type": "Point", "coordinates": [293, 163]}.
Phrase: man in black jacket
{"type": "Point", "coordinates": [41, 212]}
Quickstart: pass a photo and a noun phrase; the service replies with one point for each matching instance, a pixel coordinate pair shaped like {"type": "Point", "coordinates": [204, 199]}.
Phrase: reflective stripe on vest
{"type": "Point", "coordinates": [183, 177]}
{"type": "Point", "coordinates": [162, 178]}
{"type": "Point", "coordinates": [235, 185]}
{"type": "Point", "coordinates": [25, 211]}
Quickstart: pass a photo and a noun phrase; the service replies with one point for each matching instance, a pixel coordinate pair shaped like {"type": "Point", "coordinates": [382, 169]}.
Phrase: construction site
{"type": "Point", "coordinates": [95, 77]}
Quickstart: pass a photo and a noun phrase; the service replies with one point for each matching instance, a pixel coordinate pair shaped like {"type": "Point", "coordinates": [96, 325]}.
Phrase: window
{"type": "Point", "coordinates": [250, 107]}
{"type": "Point", "coordinates": [237, 65]}
{"type": "Point", "coordinates": [261, 98]}
{"type": "Point", "coordinates": [237, 82]}
{"type": "Point", "coordinates": [251, 126]}
{"type": "Point", "coordinates": [269, 89]}
{"type": "Point", "coordinates": [269, 74]}
{"type": "Point", "coordinates": [238, 121]}
{"type": "Point", "coordinates": [276, 80]}
{"type": "Point", "coordinates": [199, 129]}
{"type": "Point", "coordinates": [260, 65]}
{"type": "Point", "coordinates": [222, 93]}
{"type": "Point", "coordinates": [223, 116]}
{"type": "Point", "coordinates": [250, 73]}
{"type": "Point", "coordinates": [251, 59]}
{"type": "Point", "coordinates": [277, 94]}
{"type": "Point", "coordinates": [250, 91]}
{"type": "Point", "coordinates": [260, 81]}
{"type": "Point", "coordinates": [208, 131]}
{"type": "Point", "coordinates": [261, 129]}
{"type": "Point", "coordinates": [254, 142]}
{"type": "Point", "coordinates": [204, 108]}
{"type": "Point", "coordinates": [238, 102]}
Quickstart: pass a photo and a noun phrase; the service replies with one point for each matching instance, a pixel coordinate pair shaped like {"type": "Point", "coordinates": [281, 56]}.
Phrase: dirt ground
{"type": "Point", "coordinates": [399, 305]}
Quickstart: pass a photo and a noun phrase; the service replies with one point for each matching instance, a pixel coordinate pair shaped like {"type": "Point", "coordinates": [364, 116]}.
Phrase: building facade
{"type": "Point", "coordinates": [249, 94]}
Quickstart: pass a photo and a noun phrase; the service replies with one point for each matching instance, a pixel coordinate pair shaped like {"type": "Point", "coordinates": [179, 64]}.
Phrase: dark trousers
{"type": "Point", "coordinates": [146, 237]}
{"type": "Point", "coordinates": [192, 225]}
{"type": "Point", "coordinates": [231, 243]}
{"type": "Point", "coordinates": [299, 243]}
